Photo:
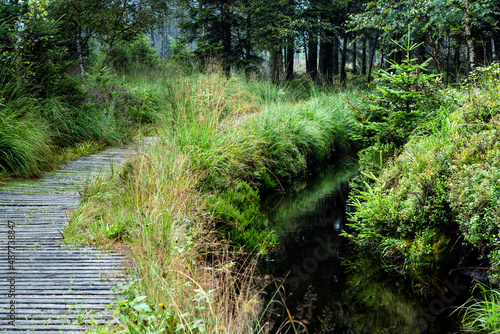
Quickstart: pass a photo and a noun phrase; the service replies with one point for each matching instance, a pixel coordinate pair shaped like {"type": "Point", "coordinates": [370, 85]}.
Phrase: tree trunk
{"type": "Point", "coordinates": [326, 58]}
{"type": "Point", "coordinates": [163, 37]}
{"type": "Point", "coordinates": [289, 63]}
{"type": "Point", "coordinates": [435, 56]}
{"type": "Point", "coordinates": [363, 57]}
{"type": "Point", "coordinates": [343, 73]}
{"type": "Point", "coordinates": [276, 65]}
{"type": "Point", "coordinates": [488, 50]}
{"type": "Point", "coordinates": [456, 60]}
{"type": "Point", "coordinates": [326, 52]}
{"type": "Point", "coordinates": [471, 51]}
{"type": "Point", "coordinates": [108, 51]}
{"type": "Point", "coordinates": [382, 60]}
{"type": "Point", "coordinates": [479, 46]}
{"type": "Point", "coordinates": [152, 37]}
{"type": "Point", "coordinates": [248, 45]}
{"type": "Point", "coordinates": [354, 58]}
{"type": "Point", "coordinates": [496, 42]}
{"type": "Point", "coordinates": [273, 66]}
{"type": "Point", "coordinates": [312, 56]}
{"type": "Point", "coordinates": [456, 56]}
{"type": "Point", "coordinates": [372, 57]}
{"type": "Point", "coordinates": [290, 51]}
{"type": "Point", "coordinates": [168, 33]}
{"type": "Point", "coordinates": [280, 73]}
{"type": "Point", "coordinates": [448, 57]}
{"type": "Point", "coordinates": [78, 35]}
{"type": "Point", "coordinates": [226, 38]}
{"type": "Point", "coordinates": [335, 55]}
{"type": "Point", "coordinates": [20, 41]}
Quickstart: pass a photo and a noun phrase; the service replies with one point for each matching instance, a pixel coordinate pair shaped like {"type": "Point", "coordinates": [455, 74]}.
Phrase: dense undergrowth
{"type": "Point", "coordinates": [187, 206]}
{"type": "Point", "coordinates": [427, 196]}
{"type": "Point", "coordinates": [441, 187]}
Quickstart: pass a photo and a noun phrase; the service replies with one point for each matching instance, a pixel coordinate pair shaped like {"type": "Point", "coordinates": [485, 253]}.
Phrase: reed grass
{"type": "Point", "coordinates": [25, 141]}
{"type": "Point", "coordinates": [482, 314]}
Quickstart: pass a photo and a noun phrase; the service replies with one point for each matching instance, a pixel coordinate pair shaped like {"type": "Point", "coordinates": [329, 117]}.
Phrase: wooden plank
{"type": "Point", "coordinates": [35, 322]}
{"type": "Point", "coordinates": [59, 302]}
{"type": "Point", "coordinates": [42, 331]}
{"type": "Point", "coordinates": [21, 294]}
{"type": "Point", "coordinates": [26, 287]}
{"type": "Point", "coordinates": [52, 278]}
{"type": "Point", "coordinates": [48, 327]}
{"type": "Point", "coordinates": [59, 321]}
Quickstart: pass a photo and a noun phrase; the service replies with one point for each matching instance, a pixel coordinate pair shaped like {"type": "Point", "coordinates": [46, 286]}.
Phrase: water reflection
{"type": "Point", "coordinates": [325, 288]}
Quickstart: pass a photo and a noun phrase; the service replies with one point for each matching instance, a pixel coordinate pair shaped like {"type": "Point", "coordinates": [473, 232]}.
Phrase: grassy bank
{"type": "Point", "coordinates": [39, 132]}
{"type": "Point", "coordinates": [187, 206]}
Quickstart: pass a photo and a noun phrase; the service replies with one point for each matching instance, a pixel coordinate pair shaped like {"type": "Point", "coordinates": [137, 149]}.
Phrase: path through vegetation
{"type": "Point", "coordinates": [48, 287]}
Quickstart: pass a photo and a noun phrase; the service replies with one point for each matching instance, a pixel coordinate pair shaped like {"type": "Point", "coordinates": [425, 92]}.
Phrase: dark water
{"type": "Point", "coordinates": [325, 288]}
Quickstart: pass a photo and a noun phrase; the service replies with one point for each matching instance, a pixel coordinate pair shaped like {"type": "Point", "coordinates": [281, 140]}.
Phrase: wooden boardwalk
{"type": "Point", "coordinates": [47, 287]}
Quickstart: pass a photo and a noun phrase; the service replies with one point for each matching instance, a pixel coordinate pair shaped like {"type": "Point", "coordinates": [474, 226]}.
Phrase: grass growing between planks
{"type": "Point", "coordinates": [187, 206]}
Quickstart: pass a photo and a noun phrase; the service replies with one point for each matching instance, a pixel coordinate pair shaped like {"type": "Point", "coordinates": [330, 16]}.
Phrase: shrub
{"type": "Point", "coordinates": [440, 190]}
{"type": "Point", "coordinates": [125, 55]}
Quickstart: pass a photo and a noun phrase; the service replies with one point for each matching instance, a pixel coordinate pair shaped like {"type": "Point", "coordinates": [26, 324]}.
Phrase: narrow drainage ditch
{"type": "Point", "coordinates": [321, 286]}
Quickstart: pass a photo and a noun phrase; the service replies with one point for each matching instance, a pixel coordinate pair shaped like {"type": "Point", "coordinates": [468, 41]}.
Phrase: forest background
{"type": "Point", "coordinates": [236, 118]}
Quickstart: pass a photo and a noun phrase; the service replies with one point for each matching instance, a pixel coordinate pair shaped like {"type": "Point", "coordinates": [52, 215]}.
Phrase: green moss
{"type": "Point", "coordinates": [235, 205]}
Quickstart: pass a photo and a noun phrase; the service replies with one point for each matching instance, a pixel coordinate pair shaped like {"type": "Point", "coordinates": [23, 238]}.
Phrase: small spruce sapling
{"type": "Point", "coordinates": [404, 97]}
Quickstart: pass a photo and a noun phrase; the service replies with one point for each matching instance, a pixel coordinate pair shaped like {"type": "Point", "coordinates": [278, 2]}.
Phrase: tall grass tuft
{"type": "Point", "coordinates": [37, 130]}
{"type": "Point", "coordinates": [297, 137]}
{"type": "Point", "coordinates": [25, 141]}
{"type": "Point", "coordinates": [483, 315]}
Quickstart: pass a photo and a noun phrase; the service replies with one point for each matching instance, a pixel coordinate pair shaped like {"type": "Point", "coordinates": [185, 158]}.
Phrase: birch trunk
{"type": "Point", "coordinates": [471, 52]}
{"type": "Point", "coordinates": [78, 33]}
